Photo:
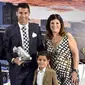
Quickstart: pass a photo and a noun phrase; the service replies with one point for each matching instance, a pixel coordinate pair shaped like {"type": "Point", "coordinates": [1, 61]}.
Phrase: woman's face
{"type": "Point", "coordinates": [55, 26]}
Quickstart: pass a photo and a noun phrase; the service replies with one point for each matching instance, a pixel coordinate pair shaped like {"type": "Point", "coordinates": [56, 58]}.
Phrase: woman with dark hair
{"type": "Point", "coordinates": [63, 49]}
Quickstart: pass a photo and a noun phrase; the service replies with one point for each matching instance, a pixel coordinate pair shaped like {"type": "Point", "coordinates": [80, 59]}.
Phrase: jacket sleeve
{"type": "Point", "coordinates": [54, 79]}
{"type": "Point", "coordinates": [34, 79]}
{"type": "Point", "coordinates": [6, 45]}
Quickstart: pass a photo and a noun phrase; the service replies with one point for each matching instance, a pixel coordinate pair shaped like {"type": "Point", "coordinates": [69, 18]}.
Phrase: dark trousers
{"type": "Point", "coordinates": [23, 75]}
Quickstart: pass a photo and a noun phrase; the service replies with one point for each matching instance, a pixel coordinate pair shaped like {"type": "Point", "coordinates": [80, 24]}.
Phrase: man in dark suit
{"type": "Point", "coordinates": [21, 73]}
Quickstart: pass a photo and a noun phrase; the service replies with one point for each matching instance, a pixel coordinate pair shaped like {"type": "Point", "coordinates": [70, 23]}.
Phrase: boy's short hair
{"type": "Point", "coordinates": [44, 53]}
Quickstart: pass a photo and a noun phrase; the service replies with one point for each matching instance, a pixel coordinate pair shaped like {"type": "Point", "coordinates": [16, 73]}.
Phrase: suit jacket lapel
{"type": "Point", "coordinates": [30, 31]}
{"type": "Point", "coordinates": [18, 34]}
{"type": "Point", "coordinates": [44, 78]}
{"type": "Point", "coordinates": [29, 34]}
{"type": "Point", "coordinates": [35, 78]}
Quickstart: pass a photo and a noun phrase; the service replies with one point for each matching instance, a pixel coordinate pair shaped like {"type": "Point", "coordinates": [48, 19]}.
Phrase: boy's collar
{"type": "Point", "coordinates": [43, 70]}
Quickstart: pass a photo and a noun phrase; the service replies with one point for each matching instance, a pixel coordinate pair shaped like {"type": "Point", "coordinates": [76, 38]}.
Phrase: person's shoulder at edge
{"type": "Point", "coordinates": [10, 27]}
{"type": "Point", "coordinates": [70, 36]}
{"type": "Point", "coordinates": [34, 24]}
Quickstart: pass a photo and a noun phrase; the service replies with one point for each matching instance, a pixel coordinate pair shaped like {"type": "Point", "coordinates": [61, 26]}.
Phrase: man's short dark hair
{"type": "Point", "coordinates": [23, 5]}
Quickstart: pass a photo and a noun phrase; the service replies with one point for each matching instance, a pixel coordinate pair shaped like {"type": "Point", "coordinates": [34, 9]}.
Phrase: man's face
{"type": "Point", "coordinates": [23, 15]}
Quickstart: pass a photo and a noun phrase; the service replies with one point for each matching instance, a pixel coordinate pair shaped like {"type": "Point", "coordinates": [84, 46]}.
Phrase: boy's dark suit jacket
{"type": "Point", "coordinates": [48, 79]}
{"type": "Point", "coordinates": [12, 38]}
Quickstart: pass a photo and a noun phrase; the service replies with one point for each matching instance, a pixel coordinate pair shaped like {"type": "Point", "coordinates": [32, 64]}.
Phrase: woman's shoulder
{"type": "Point", "coordinates": [69, 35]}
{"type": "Point", "coordinates": [71, 39]}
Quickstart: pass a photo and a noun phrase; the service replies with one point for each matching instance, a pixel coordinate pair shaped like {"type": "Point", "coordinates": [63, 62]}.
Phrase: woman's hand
{"type": "Point", "coordinates": [75, 78]}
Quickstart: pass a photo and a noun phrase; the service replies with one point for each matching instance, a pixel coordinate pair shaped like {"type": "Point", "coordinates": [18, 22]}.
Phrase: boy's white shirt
{"type": "Point", "coordinates": [40, 76]}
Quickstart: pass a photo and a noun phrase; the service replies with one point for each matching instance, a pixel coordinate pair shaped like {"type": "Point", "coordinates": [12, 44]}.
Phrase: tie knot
{"type": "Point", "coordinates": [23, 28]}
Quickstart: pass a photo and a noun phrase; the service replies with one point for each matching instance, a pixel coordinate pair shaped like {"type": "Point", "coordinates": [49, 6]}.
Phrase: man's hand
{"type": "Point", "coordinates": [17, 61]}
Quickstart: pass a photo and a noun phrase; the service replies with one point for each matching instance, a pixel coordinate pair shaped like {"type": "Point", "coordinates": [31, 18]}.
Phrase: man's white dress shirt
{"type": "Point", "coordinates": [21, 32]}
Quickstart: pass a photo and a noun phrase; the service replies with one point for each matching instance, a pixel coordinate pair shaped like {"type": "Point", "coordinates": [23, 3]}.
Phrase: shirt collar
{"type": "Point", "coordinates": [43, 70]}
{"type": "Point", "coordinates": [20, 25]}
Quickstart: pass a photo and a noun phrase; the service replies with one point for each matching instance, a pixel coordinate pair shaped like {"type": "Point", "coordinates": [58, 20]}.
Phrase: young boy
{"type": "Point", "coordinates": [44, 75]}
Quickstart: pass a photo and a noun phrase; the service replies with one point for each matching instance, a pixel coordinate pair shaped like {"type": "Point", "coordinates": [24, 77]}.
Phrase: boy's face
{"type": "Point", "coordinates": [42, 62]}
